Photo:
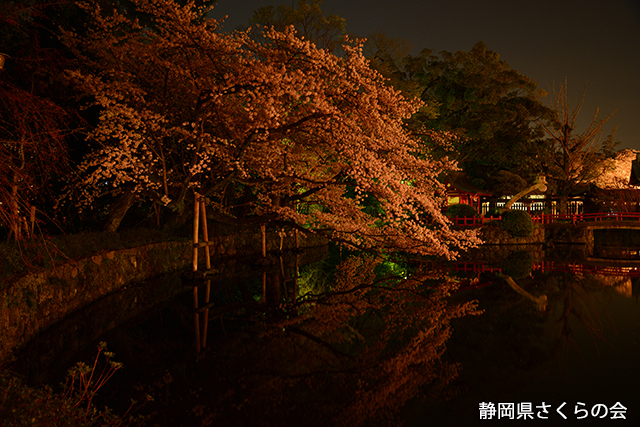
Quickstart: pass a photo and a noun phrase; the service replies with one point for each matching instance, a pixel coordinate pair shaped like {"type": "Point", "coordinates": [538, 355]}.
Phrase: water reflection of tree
{"type": "Point", "coordinates": [575, 308]}
{"type": "Point", "coordinates": [505, 340]}
{"type": "Point", "coordinates": [346, 356]}
{"type": "Point", "coordinates": [513, 350]}
{"type": "Point", "coordinates": [514, 337]}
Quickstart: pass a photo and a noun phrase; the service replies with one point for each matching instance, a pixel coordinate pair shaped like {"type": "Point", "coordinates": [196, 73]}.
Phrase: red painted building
{"type": "Point", "coordinates": [460, 190]}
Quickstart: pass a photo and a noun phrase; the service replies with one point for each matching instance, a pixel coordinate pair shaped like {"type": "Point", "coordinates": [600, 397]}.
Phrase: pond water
{"type": "Point", "coordinates": [551, 332]}
{"type": "Point", "coordinates": [617, 244]}
{"type": "Point", "coordinates": [581, 350]}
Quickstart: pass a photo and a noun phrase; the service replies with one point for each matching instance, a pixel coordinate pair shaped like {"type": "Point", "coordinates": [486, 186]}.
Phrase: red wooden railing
{"type": "Point", "coordinates": [543, 266]}
{"type": "Point", "coordinates": [576, 218]}
{"type": "Point", "coordinates": [463, 266]}
{"type": "Point", "coordinates": [549, 219]}
{"type": "Point", "coordinates": [474, 221]}
{"type": "Point", "coordinates": [604, 270]}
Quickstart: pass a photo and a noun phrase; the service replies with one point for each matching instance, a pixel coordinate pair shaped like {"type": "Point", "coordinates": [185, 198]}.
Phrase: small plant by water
{"type": "Point", "coordinates": [22, 405]}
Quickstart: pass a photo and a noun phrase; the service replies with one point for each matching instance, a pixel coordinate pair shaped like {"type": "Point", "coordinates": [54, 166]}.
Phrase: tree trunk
{"type": "Point", "coordinates": [180, 216]}
{"type": "Point", "coordinates": [14, 214]}
{"type": "Point", "coordinates": [119, 210]}
{"type": "Point", "coordinates": [541, 184]}
{"type": "Point", "coordinates": [274, 285]}
{"type": "Point", "coordinates": [563, 203]}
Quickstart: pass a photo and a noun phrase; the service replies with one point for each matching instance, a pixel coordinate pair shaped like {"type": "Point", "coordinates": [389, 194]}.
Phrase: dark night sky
{"type": "Point", "coordinates": [593, 43]}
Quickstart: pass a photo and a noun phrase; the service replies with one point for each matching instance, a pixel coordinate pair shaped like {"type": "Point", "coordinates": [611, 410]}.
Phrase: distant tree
{"type": "Point", "coordinates": [295, 134]}
{"type": "Point", "coordinates": [574, 159]}
{"type": "Point", "coordinates": [507, 183]}
{"type": "Point", "coordinates": [386, 55]}
{"type": "Point", "coordinates": [493, 108]}
{"type": "Point", "coordinates": [310, 22]}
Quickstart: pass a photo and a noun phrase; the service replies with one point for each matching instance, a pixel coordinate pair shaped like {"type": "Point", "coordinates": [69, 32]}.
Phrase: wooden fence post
{"type": "Point", "coordinates": [196, 317]}
{"type": "Point", "coordinates": [32, 219]}
{"type": "Point", "coordinates": [196, 209]}
{"type": "Point", "coordinates": [281, 239]}
{"type": "Point", "coordinates": [205, 318]}
{"type": "Point", "coordinates": [207, 253]}
{"type": "Point", "coordinates": [295, 280]}
{"type": "Point", "coordinates": [205, 234]}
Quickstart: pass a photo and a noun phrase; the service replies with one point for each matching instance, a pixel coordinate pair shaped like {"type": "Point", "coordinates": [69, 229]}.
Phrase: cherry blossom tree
{"type": "Point", "coordinates": [296, 135]}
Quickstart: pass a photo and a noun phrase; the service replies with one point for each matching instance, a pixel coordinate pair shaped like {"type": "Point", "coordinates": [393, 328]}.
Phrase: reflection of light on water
{"type": "Point", "coordinates": [621, 285]}
{"type": "Point", "coordinates": [625, 289]}
{"type": "Point", "coordinates": [617, 252]}
{"type": "Point", "coordinates": [583, 347]}
{"type": "Point", "coordinates": [541, 301]}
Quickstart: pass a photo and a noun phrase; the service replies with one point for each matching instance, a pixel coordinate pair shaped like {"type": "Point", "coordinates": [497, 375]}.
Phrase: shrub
{"type": "Point", "coordinates": [517, 223]}
{"type": "Point", "coordinates": [461, 210]}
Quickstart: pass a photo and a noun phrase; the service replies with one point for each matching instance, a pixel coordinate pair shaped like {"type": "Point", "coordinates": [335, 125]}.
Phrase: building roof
{"type": "Point", "coordinates": [634, 179]}
{"type": "Point", "coordinates": [620, 194]}
{"type": "Point", "coordinates": [460, 181]}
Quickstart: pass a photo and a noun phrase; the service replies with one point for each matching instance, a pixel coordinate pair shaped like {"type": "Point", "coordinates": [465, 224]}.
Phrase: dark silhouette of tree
{"type": "Point", "coordinates": [36, 116]}
{"type": "Point", "coordinates": [32, 150]}
{"type": "Point", "coordinates": [574, 159]}
{"type": "Point", "coordinates": [493, 108]}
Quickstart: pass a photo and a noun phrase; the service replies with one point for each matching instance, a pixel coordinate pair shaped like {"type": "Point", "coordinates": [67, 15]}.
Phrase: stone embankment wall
{"type": "Point", "coordinates": [568, 234]}
{"type": "Point", "coordinates": [493, 234]}
{"type": "Point", "coordinates": [38, 300]}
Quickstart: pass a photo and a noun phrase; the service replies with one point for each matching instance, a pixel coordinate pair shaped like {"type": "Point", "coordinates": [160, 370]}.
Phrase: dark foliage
{"type": "Point", "coordinates": [517, 223]}
{"type": "Point", "coordinates": [517, 265]}
{"type": "Point", "coordinates": [461, 210]}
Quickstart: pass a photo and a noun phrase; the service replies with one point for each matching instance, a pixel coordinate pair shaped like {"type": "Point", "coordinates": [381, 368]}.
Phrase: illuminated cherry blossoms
{"type": "Point", "coordinates": [283, 131]}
